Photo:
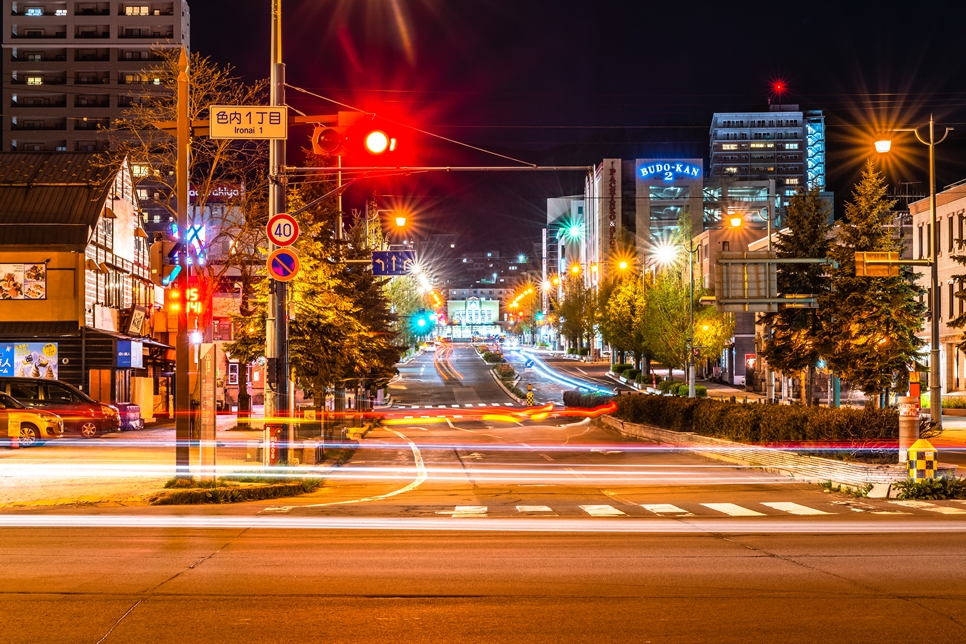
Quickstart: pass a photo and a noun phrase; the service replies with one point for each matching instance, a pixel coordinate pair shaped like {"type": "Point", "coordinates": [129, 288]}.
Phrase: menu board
{"type": "Point", "coordinates": [29, 360]}
{"type": "Point", "coordinates": [23, 281]}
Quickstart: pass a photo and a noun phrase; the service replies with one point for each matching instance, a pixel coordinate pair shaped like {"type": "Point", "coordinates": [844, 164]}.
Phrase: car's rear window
{"type": "Point", "coordinates": [57, 394]}
{"type": "Point", "coordinates": [25, 390]}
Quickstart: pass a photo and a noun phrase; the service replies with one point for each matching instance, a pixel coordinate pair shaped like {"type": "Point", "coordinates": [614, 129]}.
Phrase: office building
{"type": "Point", "coordinates": [71, 68]}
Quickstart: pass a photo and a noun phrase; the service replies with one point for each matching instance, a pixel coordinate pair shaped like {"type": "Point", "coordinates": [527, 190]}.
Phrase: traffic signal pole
{"type": "Point", "coordinates": [276, 330]}
{"type": "Point", "coordinates": [182, 391]}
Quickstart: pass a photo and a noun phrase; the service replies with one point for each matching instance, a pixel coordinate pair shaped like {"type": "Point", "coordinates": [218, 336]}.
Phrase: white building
{"type": "Point", "coordinates": [950, 215]}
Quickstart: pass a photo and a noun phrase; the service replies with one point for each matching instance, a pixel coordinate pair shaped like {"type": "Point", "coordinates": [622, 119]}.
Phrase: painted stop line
{"type": "Point", "coordinates": [283, 264]}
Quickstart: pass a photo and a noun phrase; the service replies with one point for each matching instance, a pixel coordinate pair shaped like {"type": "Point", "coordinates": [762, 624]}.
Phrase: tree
{"type": "Point", "coordinates": [667, 320]}
{"type": "Point", "coordinates": [793, 342]}
{"type": "Point", "coordinates": [870, 323]}
{"type": "Point", "coordinates": [577, 311]}
{"type": "Point", "coordinates": [623, 302]}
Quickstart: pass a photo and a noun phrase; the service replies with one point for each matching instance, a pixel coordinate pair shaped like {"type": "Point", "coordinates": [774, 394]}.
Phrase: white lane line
{"type": "Point", "coordinates": [794, 508]}
{"type": "Point", "coordinates": [421, 475]}
{"type": "Point", "coordinates": [931, 507]}
{"type": "Point", "coordinates": [581, 370]}
{"type": "Point", "coordinates": [733, 510]}
{"type": "Point", "coordinates": [602, 511]}
{"type": "Point", "coordinates": [534, 508]}
{"type": "Point", "coordinates": [546, 457]}
{"type": "Point", "coordinates": [664, 508]}
{"type": "Point", "coordinates": [465, 511]}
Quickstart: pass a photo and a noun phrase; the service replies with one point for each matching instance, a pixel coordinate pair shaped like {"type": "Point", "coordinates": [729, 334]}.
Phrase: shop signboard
{"type": "Point", "coordinates": [23, 281]}
{"type": "Point", "coordinates": [29, 360]}
{"type": "Point", "coordinates": [129, 354]}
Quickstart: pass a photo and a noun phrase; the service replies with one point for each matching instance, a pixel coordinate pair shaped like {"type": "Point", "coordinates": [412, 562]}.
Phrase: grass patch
{"type": "Point", "coordinates": [952, 487]}
{"type": "Point", "coordinates": [203, 492]}
{"type": "Point", "coordinates": [856, 492]}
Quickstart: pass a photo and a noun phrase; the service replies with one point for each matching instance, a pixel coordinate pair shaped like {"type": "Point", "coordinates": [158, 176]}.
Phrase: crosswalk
{"type": "Point", "coordinates": [706, 510]}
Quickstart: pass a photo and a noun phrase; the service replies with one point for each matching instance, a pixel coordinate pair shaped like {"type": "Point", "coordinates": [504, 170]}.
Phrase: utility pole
{"type": "Point", "coordinates": [182, 391]}
{"type": "Point", "coordinates": [276, 328]}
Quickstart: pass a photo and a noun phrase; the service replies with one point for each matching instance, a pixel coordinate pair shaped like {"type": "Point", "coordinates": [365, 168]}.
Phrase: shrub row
{"type": "Point", "coordinates": [492, 356]}
{"type": "Point", "coordinates": [747, 423]}
{"type": "Point", "coordinates": [620, 367]}
{"type": "Point", "coordinates": [681, 388]}
{"type": "Point", "coordinates": [575, 398]}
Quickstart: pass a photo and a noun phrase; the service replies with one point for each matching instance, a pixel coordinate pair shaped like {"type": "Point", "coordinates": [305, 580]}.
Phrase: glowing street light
{"type": "Point", "coordinates": [736, 221]}
{"type": "Point", "coordinates": [575, 269]}
{"type": "Point", "coordinates": [622, 265]}
{"type": "Point", "coordinates": [665, 253]}
{"type": "Point", "coordinates": [400, 222]}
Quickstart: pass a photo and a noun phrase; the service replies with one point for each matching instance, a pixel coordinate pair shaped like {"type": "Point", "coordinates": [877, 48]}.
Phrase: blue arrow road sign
{"type": "Point", "coordinates": [392, 262]}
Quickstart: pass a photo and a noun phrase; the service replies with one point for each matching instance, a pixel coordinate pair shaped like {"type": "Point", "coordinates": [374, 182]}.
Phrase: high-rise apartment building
{"type": "Point", "coordinates": [784, 144]}
{"type": "Point", "coordinates": [70, 67]}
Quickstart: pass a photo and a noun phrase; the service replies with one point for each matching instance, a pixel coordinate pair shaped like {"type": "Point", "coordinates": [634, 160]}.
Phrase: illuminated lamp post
{"type": "Point", "coordinates": [883, 145]}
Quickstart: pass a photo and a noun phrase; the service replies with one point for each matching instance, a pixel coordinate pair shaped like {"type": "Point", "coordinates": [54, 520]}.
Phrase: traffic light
{"type": "Point", "coordinates": [357, 134]}
{"type": "Point", "coordinates": [172, 300]}
{"type": "Point", "coordinates": [164, 261]}
{"type": "Point", "coordinates": [539, 316]}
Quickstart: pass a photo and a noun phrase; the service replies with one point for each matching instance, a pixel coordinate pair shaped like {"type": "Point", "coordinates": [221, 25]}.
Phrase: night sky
{"type": "Point", "coordinates": [567, 82]}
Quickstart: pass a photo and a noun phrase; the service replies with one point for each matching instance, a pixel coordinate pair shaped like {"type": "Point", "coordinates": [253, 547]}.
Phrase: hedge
{"type": "Point", "coordinates": [492, 356]}
{"type": "Point", "coordinates": [621, 367]}
{"type": "Point", "coordinates": [574, 398]}
{"type": "Point", "coordinates": [748, 423]}
{"type": "Point", "coordinates": [631, 374]}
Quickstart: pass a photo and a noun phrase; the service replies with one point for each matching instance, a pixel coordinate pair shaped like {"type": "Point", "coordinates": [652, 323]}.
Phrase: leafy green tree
{"type": "Point", "coordinates": [870, 323]}
{"type": "Point", "coordinates": [623, 302]}
{"type": "Point", "coordinates": [793, 343]}
{"type": "Point", "coordinates": [577, 311]}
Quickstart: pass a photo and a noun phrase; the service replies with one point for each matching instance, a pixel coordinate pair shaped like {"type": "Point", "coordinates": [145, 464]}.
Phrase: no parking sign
{"type": "Point", "coordinates": [283, 264]}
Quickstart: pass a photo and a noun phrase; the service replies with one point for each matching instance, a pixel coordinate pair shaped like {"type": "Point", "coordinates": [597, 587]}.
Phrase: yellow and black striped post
{"type": "Point", "coordinates": [529, 395]}
{"type": "Point", "coordinates": [923, 460]}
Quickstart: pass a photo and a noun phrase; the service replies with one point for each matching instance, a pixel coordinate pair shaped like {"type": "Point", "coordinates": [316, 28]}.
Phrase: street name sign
{"type": "Point", "coordinates": [282, 229]}
{"type": "Point", "coordinates": [248, 122]}
{"type": "Point", "coordinates": [283, 264]}
{"type": "Point", "coordinates": [392, 262]}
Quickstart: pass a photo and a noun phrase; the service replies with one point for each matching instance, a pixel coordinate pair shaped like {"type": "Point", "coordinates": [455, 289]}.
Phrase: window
{"type": "Point", "coordinates": [34, 11]}
{"type": "Point", "coordinates": [25, 391]}
{"type": "Point", "coordinates": [731, 170]}
{"type": "Point", "coordinates": [60, 12]}
{"type": "Point", "coordinates": [929, 240]}
{"type": "Point", "coordinates": [791, 146]}
{"type": "Point", "coordinates": [57, 394]}
{"type": "Point", "coordinates": [950, 235]}
{"type": "Point", "coordinates": [136, 11]}
{"type": "Point", "coordinates": [952, 300]}
{"type": "Point", "coordinates": [140, 170]}
{"type": "Point", "coordinates": [221, 329]}
{"type": "Point", "coordinates": [791, 181]}
{"type": "Point", "coordinates": [725, 246]}
{"type": "Point", "coordinates": [920, 242]}
{"type": "Point", "coordinates": [232, 373]}
{"type": "Point", "coordinates": [729, 146]}
{"type": "Point", "coordinates": [35, 80]}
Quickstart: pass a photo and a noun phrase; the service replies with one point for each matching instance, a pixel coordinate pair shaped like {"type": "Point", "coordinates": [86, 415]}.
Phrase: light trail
{"type": "Point", "coordinates": [542, 368]}
{"type": "Point", "coordinates": [624, 525]}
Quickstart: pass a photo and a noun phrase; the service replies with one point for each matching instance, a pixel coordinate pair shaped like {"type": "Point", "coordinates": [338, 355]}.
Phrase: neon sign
{"type": "Point", "coordinates": [670, 170]}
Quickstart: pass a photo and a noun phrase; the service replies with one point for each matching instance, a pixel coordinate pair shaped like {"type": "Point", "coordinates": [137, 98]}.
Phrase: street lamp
{"type": "Point", "coordinates": [883, 145]}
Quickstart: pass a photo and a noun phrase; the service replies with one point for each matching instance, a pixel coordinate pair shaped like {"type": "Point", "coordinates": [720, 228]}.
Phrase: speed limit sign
{"type": "Point", "coordinates": [282, 229]}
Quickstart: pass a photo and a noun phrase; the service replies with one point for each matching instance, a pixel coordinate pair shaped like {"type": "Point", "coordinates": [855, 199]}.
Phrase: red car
{"type": "Point", "coordinates": [81, 413]}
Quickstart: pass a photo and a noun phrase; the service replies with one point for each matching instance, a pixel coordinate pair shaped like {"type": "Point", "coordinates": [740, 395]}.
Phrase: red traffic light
{"type": "Point", "coordinates": [356, 135]}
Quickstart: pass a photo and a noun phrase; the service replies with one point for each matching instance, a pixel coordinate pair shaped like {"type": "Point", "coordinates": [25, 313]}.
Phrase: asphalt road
{"type": "Point", "coordinates": [256, 585]}
{"type": "Point", "coordinates": [470, 522]}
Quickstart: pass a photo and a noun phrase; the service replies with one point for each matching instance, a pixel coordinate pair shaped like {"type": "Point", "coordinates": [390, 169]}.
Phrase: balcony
{"type": "Point", "coordinates": [99, 100]}
{"type": "Point", "coordinates": [40, 101]}
{"type": "Point", "coordinates": [91, 124]}
{"type": "Point", "coordinates": [39, 79]}
{"type": "Point", "coordinates": [146, 9]}
{"type": "Point", "coordinates": [40, 34]}
{"type": "Point", "coordinates": [92, 9]}
{"type": "Point", "coordinates": [160, 32]}
{"type": "Point", "coordinates": [90, 78]}
{"type": "Point", "coordinates": [91, 146]}
{"type": "Point", "coordinates": [39, 125]}
{"type": "Point", "coordinates": [85, 33]}
{"type": "Point", "coordinates": [57, 55]}
{"type": "Point", "coordinates": [93, 55]}
{"type": "Point", "coordinates": [48, 9]}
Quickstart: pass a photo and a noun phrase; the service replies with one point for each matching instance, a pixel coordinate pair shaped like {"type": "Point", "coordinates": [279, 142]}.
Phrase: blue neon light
{"type": "Point", "coordinates": [670, 170]}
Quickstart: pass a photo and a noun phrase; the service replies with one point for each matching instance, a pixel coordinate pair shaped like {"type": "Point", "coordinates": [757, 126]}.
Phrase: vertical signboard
{"type": "Point", "coordinates": [206, 373]}
{"type": "Point", "coordinates": [130, 354]}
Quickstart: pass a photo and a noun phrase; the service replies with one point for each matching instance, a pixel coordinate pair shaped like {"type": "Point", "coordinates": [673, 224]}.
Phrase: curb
{"type": "Point", "coordinates": [812, 469]}
{"type": "Point", "coordinates": [505, 390]}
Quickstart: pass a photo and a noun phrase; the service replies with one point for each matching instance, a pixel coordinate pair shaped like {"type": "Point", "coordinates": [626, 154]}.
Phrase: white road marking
{"type": "Point", "coordinates": [457, 415]}
{"type": "Point", "coordinates": [534, 508]}
{"type": "Point", "coordinates": [546, 457]}
{"type": "Point", "coordinates": [465, 511]}
{"type": "Point", "coordinates": [467, 405]}
{"type": "Point", "coordinates": [794, 508]}
{"type": "Point", "coordinates": [931, 507]}
{"type": "Point", "coordinates": [664, 508]}
{"type": "Point", "coordinates": [455, 406]}
{"type": "Point", "coordinates": [481, 404]}
{"type": "Point", "coordinates": [602, 511]}
{"type": "Point", "coordinates": [421, 475]}
{"type": "Point", "coordinates": [581, 370]}
{"type": "Point", "coordinates": [732, 510]}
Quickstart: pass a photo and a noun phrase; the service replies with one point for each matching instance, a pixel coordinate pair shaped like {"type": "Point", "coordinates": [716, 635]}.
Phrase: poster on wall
{"type": "Point", "coordinates": [23, 281]}
{"type": "Point", "coordinates": [29, 360]}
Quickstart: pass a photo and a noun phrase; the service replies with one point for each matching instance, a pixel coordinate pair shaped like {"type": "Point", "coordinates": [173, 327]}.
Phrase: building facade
{"type": "Point", "coordinates": [72, 67]}
{"type": "Point", "coordinates": [784, 144]}
{"type": "Point", "coordinates": [75, 278]}
{"type": "Point", "coordinates": [951, 218]}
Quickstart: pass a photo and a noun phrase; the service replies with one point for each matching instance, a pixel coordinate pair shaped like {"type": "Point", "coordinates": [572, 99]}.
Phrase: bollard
{"type": "Point", "coordinates": [923, 460]}
{"type": "Point", "coordinates": [908, 424]}
{"type": "Point", "coordinates": [529, 395]}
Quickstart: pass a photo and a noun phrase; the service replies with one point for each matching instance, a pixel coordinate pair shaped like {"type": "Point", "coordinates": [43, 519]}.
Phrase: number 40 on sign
{"type": "Point", "coordinates": [282, 229]}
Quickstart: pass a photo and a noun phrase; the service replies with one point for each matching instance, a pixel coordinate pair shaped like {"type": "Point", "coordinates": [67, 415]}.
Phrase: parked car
{"type": "Point", "coordinates": [81, 413]}
{"type": "Point", "coordinates": [28, 427]}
